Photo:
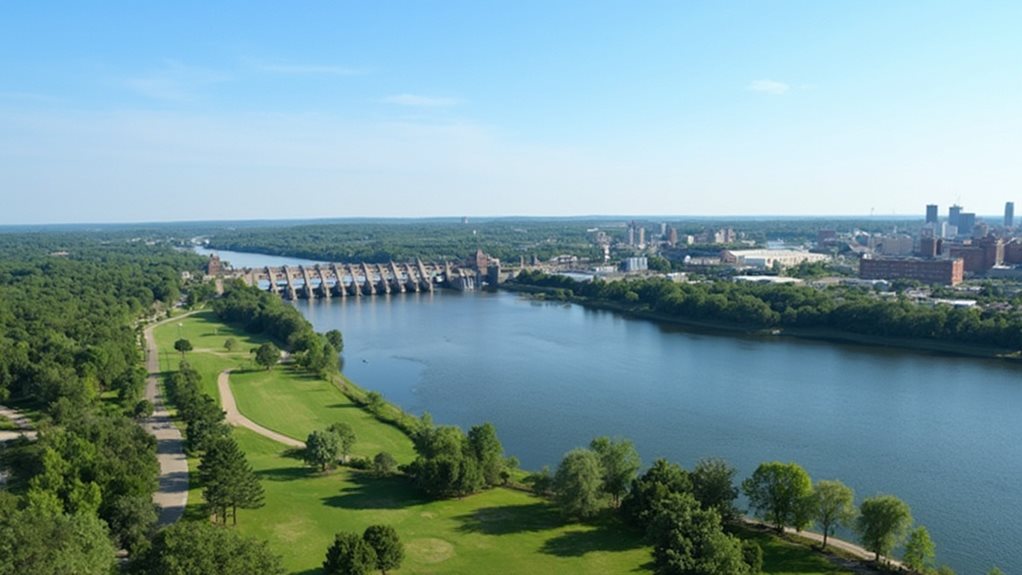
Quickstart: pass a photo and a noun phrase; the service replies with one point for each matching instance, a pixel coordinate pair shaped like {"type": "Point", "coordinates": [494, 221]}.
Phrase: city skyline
{"type": "Point", "coordinates": [193, 112]}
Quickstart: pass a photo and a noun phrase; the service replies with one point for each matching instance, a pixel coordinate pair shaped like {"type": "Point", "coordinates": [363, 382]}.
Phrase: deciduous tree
{"type": "Point", "coordinates": [349, 554]}
{"type": "Point", "coordinates": [578, 484]}
{"type": "Point", "coordinates": [619, 461]}
{"type": "Point", "coordinates": [919, 550]}
{"type": "Point", "coordinates": [713, 484]}
{"type": "Point", "coordinates": [833, 505]}
{"type": "Point", "coordinates": [778, 492]}
{"type": "Point", "coordinates": [883, 522]}
{"type": "Point", "coordinates": [267, 355]}
{"type": "Point", "coordinates": [390, 552]}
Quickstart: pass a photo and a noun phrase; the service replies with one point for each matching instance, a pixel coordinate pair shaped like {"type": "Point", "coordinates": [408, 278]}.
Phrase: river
{"type": "Point", "coordinates": [942, 433]}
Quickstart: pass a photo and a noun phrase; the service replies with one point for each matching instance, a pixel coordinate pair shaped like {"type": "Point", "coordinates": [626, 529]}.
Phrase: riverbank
{"type": "Point", "coordinates": [818, 334]}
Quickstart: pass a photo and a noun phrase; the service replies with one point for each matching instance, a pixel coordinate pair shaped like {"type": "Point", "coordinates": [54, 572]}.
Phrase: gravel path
{"type": "Point", "coordinates": [172, 494]}
{"type": "Point", "coordinates": [234, 417]}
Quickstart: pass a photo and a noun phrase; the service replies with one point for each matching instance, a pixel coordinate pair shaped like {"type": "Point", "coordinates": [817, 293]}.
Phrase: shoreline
{"type": "Point", "coordinates": [813, 334]}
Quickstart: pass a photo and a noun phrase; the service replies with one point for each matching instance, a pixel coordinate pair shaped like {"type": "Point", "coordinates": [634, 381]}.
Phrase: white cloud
{"type": "Point", "coordinates": [175, 82]}
{"type": "Point", "coordinates": [292, 69]}
{"type": "Point", "coordinates": [772, 87]}
{"type": "Point", "coordinates": [418, 101]}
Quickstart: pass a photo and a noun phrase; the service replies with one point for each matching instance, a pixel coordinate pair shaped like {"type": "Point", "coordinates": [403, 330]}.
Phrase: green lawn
{"type": "Point", "coordinates": [296, 404]}
{"type": "Point", "coordinates": [497, 531]}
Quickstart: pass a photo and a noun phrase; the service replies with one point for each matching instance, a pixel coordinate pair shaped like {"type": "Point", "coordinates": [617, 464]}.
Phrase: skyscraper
{"type": "Point", "coordinates": [953, 213]}
{"type": "Point", "coordinates": [931, 213]}
{"type": "Point", "coordinates": [1009, 214]}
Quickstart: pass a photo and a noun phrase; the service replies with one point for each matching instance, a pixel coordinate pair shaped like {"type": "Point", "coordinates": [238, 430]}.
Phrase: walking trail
{"type": "Point", "coordinates": [172, 494]}
{"type": "Point", "coordinates": [234, 417]}
{"type": "Point", "coordinates": [23, 424]}
{"type": "Point", "coordinates": [846, 546]}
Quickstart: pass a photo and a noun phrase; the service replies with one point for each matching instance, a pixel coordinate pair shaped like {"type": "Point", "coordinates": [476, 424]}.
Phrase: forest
{"type": "Point", "coordinates": [755, 305]}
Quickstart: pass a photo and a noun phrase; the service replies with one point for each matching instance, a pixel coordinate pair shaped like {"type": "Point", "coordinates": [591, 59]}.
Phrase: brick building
{"type": "Point", "coordinates": [945, 272]}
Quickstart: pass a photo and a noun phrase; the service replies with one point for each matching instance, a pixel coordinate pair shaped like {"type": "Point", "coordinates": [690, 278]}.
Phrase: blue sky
{"type": "Point", "coordinates": [115, 112]}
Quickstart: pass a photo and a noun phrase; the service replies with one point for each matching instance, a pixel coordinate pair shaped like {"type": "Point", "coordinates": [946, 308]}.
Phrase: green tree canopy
{"type": "Point", "coordinates": [652, 487]}
{"type": "Point", "coordinates": [688, 540]}
{"type": "Point", "coordinates": [349, 554]}
{"type": "Point", "coordinates": [228, 480]}
{"type": "Point", "coordinates": [578, 484]}
{"type": "Point", "coordinates": [384, 464]}
{"type": "Point", "coordinates": [201, 548]}
{"type": "Point", "coordinates": [182, 345]}
{"type": "Point", "coordinates": [36, 542]}
{"type": "Point", "coordinates": [919, 550]}
{"type": "Point", "coordinates": [619, 461]}
{"type": "Point", "coordinates": [321, 449]}
{"type": "Point", "coordinates": [713, 484]}
{"type": "Point", "coordinates": [833, 505]}
{"type": "Point", "coordinates": [779, 492]}
{"type": "Point", "coordinates": [884, 520]}
{"type": "Point", "coordinates": [345, 436]}
{"type": "Point", "coordinates": [267, 355]}
{"type": "Point", "coordinates": [390, 552]}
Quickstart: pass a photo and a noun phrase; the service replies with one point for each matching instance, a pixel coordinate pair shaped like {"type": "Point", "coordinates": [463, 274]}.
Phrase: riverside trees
{"type": "Point", "coordinates": [780, 493]}
{"type": "Point", "coordinates": [451, 464]}
{"type": "Point", "coordinates": [833, 505]}
{"type": "Point", "coordinates": [884, 521]}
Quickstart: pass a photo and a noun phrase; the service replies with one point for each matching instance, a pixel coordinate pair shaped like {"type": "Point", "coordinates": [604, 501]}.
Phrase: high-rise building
{"type": "Point", "coordinates": [953, 214]}
{"type": "Point", "coordinates": [966, 221]}
{"type": "Point", "coordinates": [642, 236]}
{"type": "Point", "coordinates": [1009, 214]}
{"type": "Point", "coordinates": [931, 213]}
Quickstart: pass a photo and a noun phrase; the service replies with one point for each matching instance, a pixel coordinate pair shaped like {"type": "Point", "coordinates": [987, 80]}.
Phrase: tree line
{"type": "Point", "coordinates": [769, 306]}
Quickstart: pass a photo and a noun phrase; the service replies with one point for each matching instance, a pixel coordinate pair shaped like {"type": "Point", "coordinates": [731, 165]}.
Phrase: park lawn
{"type": "Point", "coordinates": [295, 404]}
{"type": "Point", "coordinates": [207, 335]}
{"type": "Point", "coordinates": [784, 557]}
{"type": "Point", "coordinates": [497, 531]}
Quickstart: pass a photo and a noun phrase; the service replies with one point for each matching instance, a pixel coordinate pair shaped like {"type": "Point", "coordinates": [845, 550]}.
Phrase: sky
{"type": "Point", "coordinates": [167, 111]}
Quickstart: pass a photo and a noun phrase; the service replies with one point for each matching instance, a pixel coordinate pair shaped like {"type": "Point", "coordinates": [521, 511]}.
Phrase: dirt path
{"type": "Point", "coordinates": [172, 494]}
{"type": "Point", "coordinates": [846, 546]}
{"type": "Point", "coordinates": [234, 417]}
{"type": "Point", "coordinates": [23, 424]}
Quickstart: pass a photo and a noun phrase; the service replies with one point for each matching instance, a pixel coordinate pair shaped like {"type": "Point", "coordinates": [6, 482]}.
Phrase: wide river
{"type": "Point", "coordinates": [942, 433]}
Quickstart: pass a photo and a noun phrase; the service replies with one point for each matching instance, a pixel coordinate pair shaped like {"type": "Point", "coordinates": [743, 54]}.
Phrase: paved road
{"type": "Point", "coordinates": [234, 417]}
{"type": "Point", "coordinates": [172, 494]}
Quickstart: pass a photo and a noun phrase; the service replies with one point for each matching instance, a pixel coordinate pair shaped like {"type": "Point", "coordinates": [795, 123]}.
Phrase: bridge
{"type": "Point", "coordinates": [343, 280]}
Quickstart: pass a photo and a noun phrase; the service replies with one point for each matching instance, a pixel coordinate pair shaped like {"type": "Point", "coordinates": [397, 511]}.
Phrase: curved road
{"type": "Point", "coordinates": [172, 494]}
{"type": "Point", "coordinates": [234, 417]}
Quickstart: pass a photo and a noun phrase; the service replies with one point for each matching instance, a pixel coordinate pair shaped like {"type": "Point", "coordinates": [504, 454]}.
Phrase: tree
{"type": "Point", "coordinates": [833, 504]}
{"type": "Point", "coordinates": [349, 555]}
{"type": "Point", "coordinates": [228, 480]}
{"type": "Point", "coordinates": [995, 571]}
{"type": "Point", "coordinates": [132, 522]}
{"type": "Point", "coordinates": [230, 344]}
{"type": "Point", "coordinates": [34, 542]}
{"type": "Point", "coordinates": [182, 345]}
{"type": "Point", "coordinates": [652, 487]}
{"type": "Point", "coordinates": [384, 464]}
{"type": "Point", "coordinates": [713, 484]}
{"type": "Point", "coordinates": [883, 523]}
{"type": "Point", "coordinates": [335, 339]}
{"type": "Point", "coordinates": [486, 448]}
{"type": "Point", "coordinates": [267, 355]}
{"type": "Point", "coordinates": [578, 484]}
{"type": "Point", "coordinates": [201, 548]}
{"type": "Point", "coordinates": [779, 492]}
{"type": "Point", "coordinates": [374, 401]}
{"type": "Point", "coordinates": [446, 465]}
{"type": "Point", "coordinates": [321, 449]}
{"type": "Point", "coordinates": [919, 550]}
{"type": "Point", "coordinates": [619, 462]}
{"type": "Point", "coordinates": [345, 436]}
{"type": "Point", "coordinates": [688, 540]}
{"type": "Point", "coordinates": [387, 545]}
{"type": "Point", "coordinates": [143, 409]}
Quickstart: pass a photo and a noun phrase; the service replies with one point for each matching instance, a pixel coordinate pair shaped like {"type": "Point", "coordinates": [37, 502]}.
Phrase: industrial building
{"type": "Point", "coordinates": [944, 272]}
{"type": "Point", "coordinates": [767, 259]}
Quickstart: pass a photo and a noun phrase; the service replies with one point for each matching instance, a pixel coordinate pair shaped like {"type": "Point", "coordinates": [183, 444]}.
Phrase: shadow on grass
{"type": "Point", "coordinates": [783, 556]}
{"type": "Point", "coordinates": [368, 492]}
{"type": "Point", "coordinates": [507, 519]}
{"type": "Point", "coordinates": [606, 536]}
{"type": "Point", "coordinates": [285, 473]}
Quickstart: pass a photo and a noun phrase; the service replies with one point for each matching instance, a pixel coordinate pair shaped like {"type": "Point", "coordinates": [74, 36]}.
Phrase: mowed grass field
{"type": "Point", "coordinates": [495, 532]}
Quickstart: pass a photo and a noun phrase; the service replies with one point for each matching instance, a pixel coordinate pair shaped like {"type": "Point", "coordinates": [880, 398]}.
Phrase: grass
{"type": "Point", "coordinates": [496, 531]}
{"type": "Point", "coordinates": [295, 404]}
{"type": "Point", "coordinates": [7, 424]}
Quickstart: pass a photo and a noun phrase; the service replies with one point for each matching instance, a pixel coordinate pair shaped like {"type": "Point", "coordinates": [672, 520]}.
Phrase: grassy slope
{"type": "Point", "coordinates": [498, 531]}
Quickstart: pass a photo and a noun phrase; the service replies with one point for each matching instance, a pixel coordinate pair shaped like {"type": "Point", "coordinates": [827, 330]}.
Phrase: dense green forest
{"type": "Point", "coordinates": [768, 306]}
{"type": "Point", "coordinates": [70, 354]}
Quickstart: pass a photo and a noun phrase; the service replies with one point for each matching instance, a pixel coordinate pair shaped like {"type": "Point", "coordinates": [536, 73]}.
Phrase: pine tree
{"type": "Point", "coordinates": [228, 480]}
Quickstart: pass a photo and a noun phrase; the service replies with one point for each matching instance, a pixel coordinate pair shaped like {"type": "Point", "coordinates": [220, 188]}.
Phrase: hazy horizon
{"type": "Point", "coordinates": [194, 112]}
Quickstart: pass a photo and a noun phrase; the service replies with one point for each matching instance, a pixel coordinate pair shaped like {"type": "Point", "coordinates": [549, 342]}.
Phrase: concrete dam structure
{"type": "Point", "coordinates": [362, 279]}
